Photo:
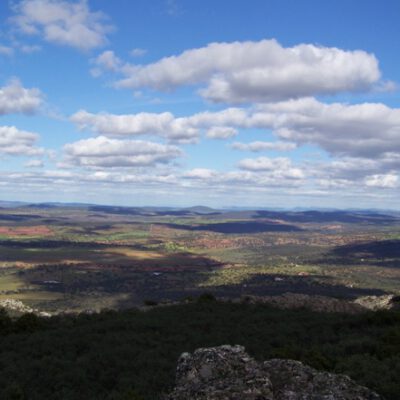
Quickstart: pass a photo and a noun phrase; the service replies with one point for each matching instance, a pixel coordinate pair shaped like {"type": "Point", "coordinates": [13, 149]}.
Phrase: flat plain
{"type": "Point", "coordinates": [87, 257]}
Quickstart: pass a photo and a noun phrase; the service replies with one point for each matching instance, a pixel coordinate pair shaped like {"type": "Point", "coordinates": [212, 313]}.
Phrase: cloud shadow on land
{"type": "Point", "coordinates": [241, 227]}
{"type": "Point", "coordinates": [271, 285]}
{"type": "Point", "coordinates": [19, 217]}
{"type": "Point", "coordinates": [329, 216]}
{"type": "Point", "coordinates": [382, 253]}
{"type": "Point", "coordinates": [257, 285]}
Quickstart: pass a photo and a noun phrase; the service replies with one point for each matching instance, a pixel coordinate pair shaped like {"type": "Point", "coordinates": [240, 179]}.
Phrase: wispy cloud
{"type": "Point", "coordinates": [173, 8]}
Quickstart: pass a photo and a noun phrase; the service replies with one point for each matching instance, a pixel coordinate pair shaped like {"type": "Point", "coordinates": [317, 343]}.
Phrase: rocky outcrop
{"type": "Point", "coordinates": [326, 304]}
{"type": "Point", "coordinates": [311, 302]}
{"type": "Point", "coordinates": [220, 373]}
{"type": "Point", "coordinates": [16, 308]}
{"type": "Point", "coordinates": [292, 380]}
{"type": "Point", "coordinates": [229, 373]}
{"type": "Point", "coordinates": [375, 303]}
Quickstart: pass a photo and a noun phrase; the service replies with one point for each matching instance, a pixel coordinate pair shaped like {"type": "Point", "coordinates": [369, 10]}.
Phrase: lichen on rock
{"type": "Point", "coordinates": [229, 373]}
{"type": "Point", "coordinates": [220, 373]}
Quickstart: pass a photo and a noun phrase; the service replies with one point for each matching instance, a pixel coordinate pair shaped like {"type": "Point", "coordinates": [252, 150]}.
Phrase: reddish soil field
{"type": "Point", "coordinates": [39, 230]}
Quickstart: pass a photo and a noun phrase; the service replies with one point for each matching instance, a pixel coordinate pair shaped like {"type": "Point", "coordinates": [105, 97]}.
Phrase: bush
{"type": "Point", "coordinates": [150, 303]}
{"type": "Point", "coordinates": [28, 322]}
{"type": "Point", "coordinates": [206, 298]}
{"type": "Point", "coordinates": [5, 321]}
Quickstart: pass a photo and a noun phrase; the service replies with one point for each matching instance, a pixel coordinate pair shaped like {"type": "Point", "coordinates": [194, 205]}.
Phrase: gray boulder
{"type": "Point", "coordinates": [229, 373]}
{"type": "Point", "coordinates": [220, 373]}
{"type": "Point", "coordinates": [292, 380]}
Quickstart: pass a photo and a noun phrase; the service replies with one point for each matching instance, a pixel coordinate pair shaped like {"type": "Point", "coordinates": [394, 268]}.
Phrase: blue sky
{"type": "Point", "coordinates": [222, 103]}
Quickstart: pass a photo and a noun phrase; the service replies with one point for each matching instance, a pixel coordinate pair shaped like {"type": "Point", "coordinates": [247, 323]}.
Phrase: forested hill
{"type": "Point", "coordinates": [132, 354]}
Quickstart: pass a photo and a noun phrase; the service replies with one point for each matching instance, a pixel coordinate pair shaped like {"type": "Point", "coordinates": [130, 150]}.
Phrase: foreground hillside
{"type": "Point", "coordinates": [132, 354]}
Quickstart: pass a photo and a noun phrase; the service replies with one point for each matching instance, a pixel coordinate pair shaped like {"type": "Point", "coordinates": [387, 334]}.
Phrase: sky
{"type": "Point", "coordinates": [229, 103]}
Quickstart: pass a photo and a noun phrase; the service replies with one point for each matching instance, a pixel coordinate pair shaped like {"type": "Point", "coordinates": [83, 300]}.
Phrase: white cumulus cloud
{"type": "Point", "coordinates": [200, 173]}
{"type": "Point", "coordinates": [108, 61]}
{"type": "Point", "coordinates": [359, 130]}
{"type": "Point", "coordinates": [105, 152]}
{"type": "Point", "coordinates": [162, 124]}
{"type": "Point", "coordinates": [34, 164]}
{"type": "Point", "coordinates": [280, 166]}
{"type": "Point", "coordinates": [69, 23]}
{"type": "Point", "coordinates": [258, 71]}
{"type": "Point", "coordinates": [17, 142]}
{"type": "Point", "coordinates": [259, 146]}
{"type": "Point", "coordinates": [390, 180]}
{"type": "Point", "coordinates": [14, 98]}
{"type": "Point", "coordinates": [221, 132]}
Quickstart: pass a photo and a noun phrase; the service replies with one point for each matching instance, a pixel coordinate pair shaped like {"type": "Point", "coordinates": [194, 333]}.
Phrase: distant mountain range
{"type": "Point", "coordinates": [198, 209]}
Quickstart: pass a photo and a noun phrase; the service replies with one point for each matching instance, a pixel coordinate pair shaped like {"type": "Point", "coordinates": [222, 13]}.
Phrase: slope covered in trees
{"type": "Point", "coordinates": [132, 354]}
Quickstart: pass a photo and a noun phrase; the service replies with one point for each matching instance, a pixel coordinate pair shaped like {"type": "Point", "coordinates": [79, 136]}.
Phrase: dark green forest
{"type": "Point", "coordinates": [132, 354]}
